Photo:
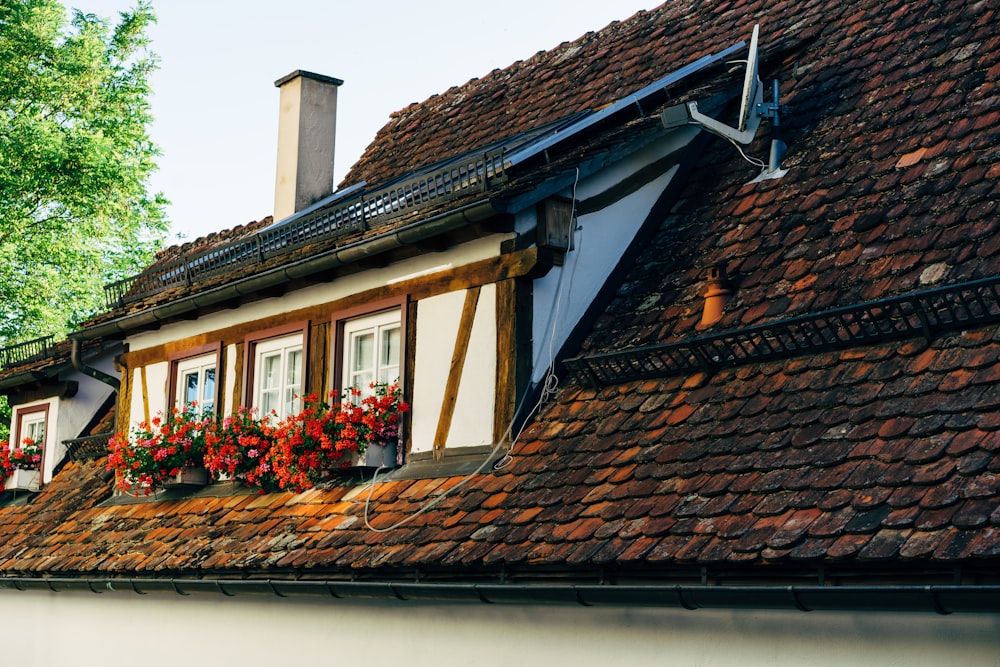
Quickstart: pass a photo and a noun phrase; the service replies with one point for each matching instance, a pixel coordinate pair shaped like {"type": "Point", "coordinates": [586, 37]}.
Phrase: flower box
{"type": "Point", "coordinates": [196, 476]}
{"type": "Point", "coordinates": [380, 456]}
{"type": "Point", "coordinates": [23, 480]}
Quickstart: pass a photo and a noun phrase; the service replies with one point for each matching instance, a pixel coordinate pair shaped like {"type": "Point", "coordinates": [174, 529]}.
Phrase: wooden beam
{"type": "Point", "coordinates": [514, 318]}
{"type": "Point", "coordinates": [237, 395]}
{"type": "Point", "coordinates": [124, 416]}
{"type": "Point", "coordinates": [455, 371]}
{"type": "Point", "coordinates": [318, 361]}
{"type": "Point", "coordinates": [410, 361]}
{"type": "Point", "coordinates": [505, 397]}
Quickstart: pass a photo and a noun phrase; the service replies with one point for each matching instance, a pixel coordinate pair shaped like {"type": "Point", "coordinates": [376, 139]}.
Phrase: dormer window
{"type": "Point", "coordinates": [372, 349]}
{"type": "Point", "coordinates": [196, 382]}
{"type": "Point", "coordinates": [194, 378]}
{"type": "Point", "coordinates": [370, 345]}
{"type": "Point", "coordinates": [31, 425]}
{"type": "Point", "coordinates": [30, 430]}
{"type": "Point", "coordinates": [276, 376]}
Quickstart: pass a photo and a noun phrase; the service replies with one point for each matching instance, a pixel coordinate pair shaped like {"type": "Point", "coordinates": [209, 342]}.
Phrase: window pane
{"type": "Point", "coordinates": [390, 347]}
{"type": "Point", "coordinates": [208, 393]}
{"type": "Point", "coordinates": [361, 380]}
{"type": "Point", "coordinates": [388, 365]}
{"type": "Point", "coordinates": [34, 430]}
{"type": "Point", "coordinates": [268, 401]}
{"type": "Point", "coordinates": [293, 373]}
{"type": "Point", "coordinates": [293, 380]}
{"type": "Point", "coordinates": [362, 357]}
{"type": "Point", "coordinates": [270, 377]}
{"type": "Point", "coordinates": [190, 387]}
{"type": "Point", "coordinates": [373, 349]}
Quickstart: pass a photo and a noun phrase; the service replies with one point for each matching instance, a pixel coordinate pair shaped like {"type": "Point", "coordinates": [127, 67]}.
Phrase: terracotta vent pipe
{"type": "Point", "coordinates": [716, 296]}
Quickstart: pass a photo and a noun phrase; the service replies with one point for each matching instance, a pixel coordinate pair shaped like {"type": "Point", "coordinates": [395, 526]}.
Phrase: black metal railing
{"type": "Point", "coordinates": [89, 447]}
{"type": "Point", "coordinates": [351, 215]}
{"type": "Point", "coordinates": [924, 314]}
{"type": "Point", "coordinates": [20, 353]}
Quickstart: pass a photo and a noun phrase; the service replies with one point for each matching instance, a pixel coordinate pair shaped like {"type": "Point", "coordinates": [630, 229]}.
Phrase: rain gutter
{"type": "Point", "coordinates": [912, 598]}
{"type": "Point", "coordinates": [348, 254]}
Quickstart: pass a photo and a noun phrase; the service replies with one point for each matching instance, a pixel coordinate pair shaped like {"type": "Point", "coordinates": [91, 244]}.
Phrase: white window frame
{"type": "Point", "coordinates": [289, 393]}
{"type": "Point", "coordinates": [378, 325]}
{"type": "Point", "coordinates": [29, 424]}
{"type": "Point", "coordinates": [200, 365]}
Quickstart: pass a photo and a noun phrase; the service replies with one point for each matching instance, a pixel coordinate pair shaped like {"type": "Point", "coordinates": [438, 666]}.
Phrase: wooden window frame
{"type": "Point", "coordinates": [341, 317]}
{"type": "Point", "coordinates": [250, 343]}
{"type": "Point", "coordinates": [19, 414]}
{"type": "Point", "coordinates": [177, 358]}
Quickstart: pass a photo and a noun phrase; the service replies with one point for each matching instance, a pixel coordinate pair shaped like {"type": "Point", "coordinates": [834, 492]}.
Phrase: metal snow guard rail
{"type": "Point", "coordinates": [26, 351]}
{"type": "Point", "coordinates": [88, 447]}
{"type": "Point", "coordinates": [924, 314]}
{"type": "Point", "coordinates": [352, 215]}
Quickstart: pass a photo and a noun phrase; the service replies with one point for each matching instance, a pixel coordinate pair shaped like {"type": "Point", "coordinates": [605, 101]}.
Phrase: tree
{"type": "Point", "coordinates": [75, 159]}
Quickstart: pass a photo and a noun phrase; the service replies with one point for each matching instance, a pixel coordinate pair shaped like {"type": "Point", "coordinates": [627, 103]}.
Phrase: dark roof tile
{"type": "Point", "coordinates": [884, 545]}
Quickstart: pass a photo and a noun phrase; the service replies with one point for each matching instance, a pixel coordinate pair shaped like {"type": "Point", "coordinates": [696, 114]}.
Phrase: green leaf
{"type": "Point", "coordinates": [76, 209]}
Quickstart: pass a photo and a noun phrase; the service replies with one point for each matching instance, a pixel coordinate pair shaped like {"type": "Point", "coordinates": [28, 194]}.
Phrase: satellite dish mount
{"type": "Point", "coordinates": [752, 110]}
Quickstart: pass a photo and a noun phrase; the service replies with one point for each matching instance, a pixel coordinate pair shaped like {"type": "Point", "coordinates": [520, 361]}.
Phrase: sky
{"type": "Point", "coordinates": [215, 106]}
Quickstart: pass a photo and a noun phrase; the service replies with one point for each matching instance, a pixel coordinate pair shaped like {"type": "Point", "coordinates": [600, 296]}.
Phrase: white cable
{"type": "Point", "coordinates": [550, 384]}
{"type": "Point", "coordinates": [757, 162]}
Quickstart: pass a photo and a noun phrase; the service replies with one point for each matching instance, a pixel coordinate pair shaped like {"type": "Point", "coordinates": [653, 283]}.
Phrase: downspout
{"type": "Point", "coordinates": [76, 359]}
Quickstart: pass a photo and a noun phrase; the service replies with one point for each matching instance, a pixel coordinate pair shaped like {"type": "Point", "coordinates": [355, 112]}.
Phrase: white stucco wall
{"type": "Point", "coordinates": [437, 330]}
{"type": "Point", "coordinates": [156, 392]}
{"type": "Point", "coordinates": [166, 630]}
{"type": "Point", "coordinates": [229, 381]}
{"type": "Point", "coordinates": [600, 241]}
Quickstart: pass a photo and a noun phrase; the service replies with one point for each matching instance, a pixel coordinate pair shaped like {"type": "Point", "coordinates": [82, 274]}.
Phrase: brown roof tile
{"type": "Point", "coordinates": [880, 452]}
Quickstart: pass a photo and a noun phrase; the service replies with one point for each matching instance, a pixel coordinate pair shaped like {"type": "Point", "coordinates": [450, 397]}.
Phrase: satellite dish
{"type": "Point", "coordinates": [751, 99]}
{"type": "Point", "coordinates": [751, 83]}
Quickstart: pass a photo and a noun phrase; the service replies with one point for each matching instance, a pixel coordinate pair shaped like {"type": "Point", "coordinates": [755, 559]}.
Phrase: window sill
{"type": "Point", "coordinates": [457, 461]}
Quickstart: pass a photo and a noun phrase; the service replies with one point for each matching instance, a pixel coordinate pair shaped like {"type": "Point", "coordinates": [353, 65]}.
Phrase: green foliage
{"type": "Point", "coordinates": [75, 159]}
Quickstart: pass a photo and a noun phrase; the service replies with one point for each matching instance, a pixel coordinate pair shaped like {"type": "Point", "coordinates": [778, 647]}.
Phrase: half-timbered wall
{"type": "Point", "coordinates": [449, 295]}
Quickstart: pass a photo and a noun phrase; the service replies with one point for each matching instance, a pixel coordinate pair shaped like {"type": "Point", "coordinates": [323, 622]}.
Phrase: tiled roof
{"type": "Point", "coordinates": [880, 458]}
{"type": "Point", "coordinates": [770, 465]}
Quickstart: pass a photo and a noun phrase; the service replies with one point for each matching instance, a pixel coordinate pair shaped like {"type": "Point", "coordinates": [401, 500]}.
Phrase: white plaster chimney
{"type": "Point", "coordinates": [307, 122]}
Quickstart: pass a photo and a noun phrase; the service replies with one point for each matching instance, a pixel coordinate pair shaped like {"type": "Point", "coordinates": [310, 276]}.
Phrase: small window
{"type": "Point", "coordinates": [31, 425]}
{"type": "Point", "coordinates": [278, 365]}
{"type": "Point", "coordinates": [196, 382]}
{"type": "Point", "coordinates": [194, 378]}
{"type": "Point", "coordinates": [276, 373]}
{"type": "Point", "coordinates": [372, 347]}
